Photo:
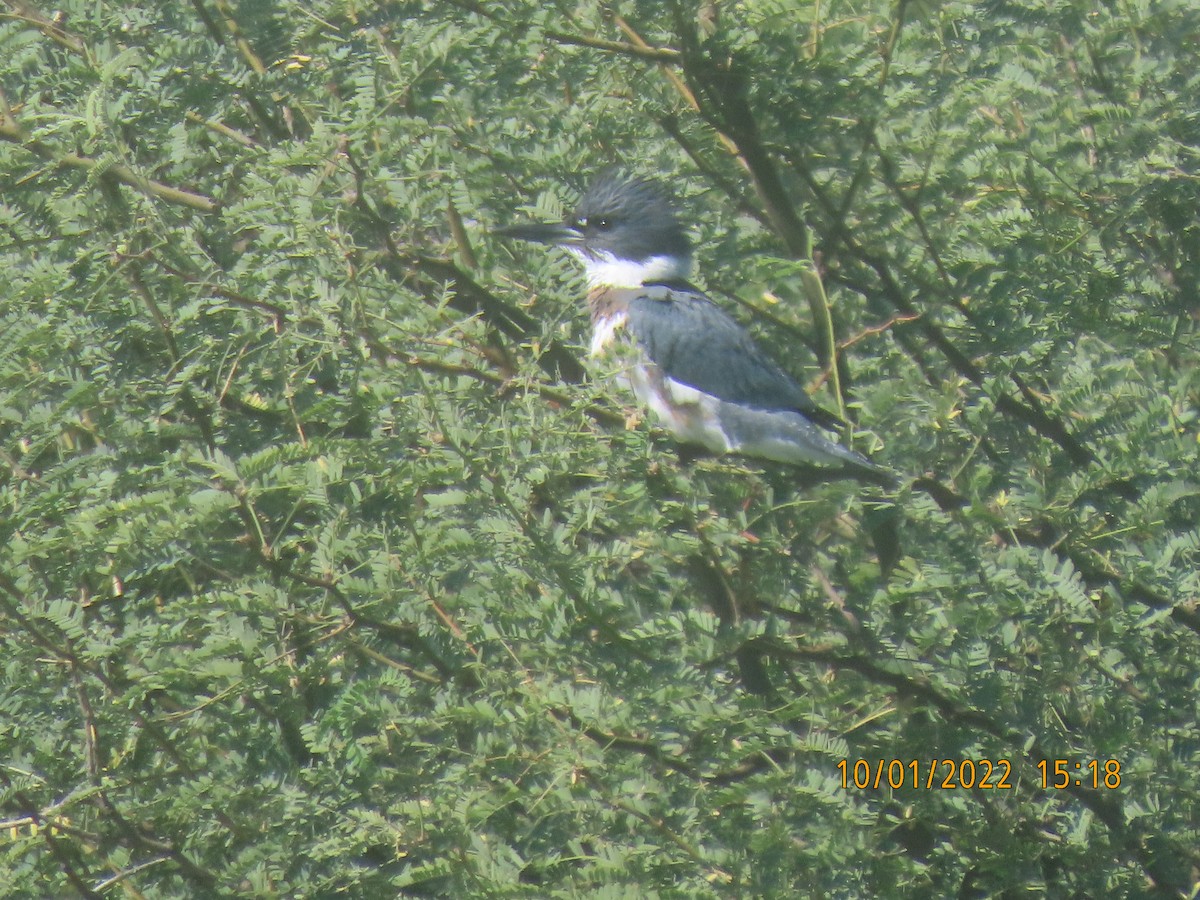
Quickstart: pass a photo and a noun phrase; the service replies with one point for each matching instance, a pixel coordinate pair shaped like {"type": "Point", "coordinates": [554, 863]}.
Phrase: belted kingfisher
{"type": "Point", "coordinates": [691, 363]}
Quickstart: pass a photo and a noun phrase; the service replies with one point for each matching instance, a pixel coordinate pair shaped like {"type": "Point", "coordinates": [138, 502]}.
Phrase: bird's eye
{"type": "Point", "coordinates": [601, 224]}
{"type": "Point", "coordinates": [595, 223]}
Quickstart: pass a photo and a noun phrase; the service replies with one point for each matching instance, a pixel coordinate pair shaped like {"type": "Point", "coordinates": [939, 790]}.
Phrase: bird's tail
{"type": "Point", "coordinates": [789, 437]}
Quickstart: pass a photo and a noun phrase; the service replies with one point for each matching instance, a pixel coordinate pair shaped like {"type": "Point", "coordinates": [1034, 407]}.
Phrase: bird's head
{"type": "Point", "coordinates": [624, 230]}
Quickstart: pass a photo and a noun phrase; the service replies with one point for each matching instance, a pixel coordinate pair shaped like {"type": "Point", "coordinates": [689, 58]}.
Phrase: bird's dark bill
{"type": "Point", "coordinates": [542, 233]}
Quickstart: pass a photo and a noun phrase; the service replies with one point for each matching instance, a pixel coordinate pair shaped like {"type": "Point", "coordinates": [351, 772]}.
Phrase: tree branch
{"type": "Point", "coordinates": [117, 172]}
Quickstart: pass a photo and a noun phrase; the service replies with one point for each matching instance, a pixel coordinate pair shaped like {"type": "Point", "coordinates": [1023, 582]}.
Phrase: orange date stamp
{"type": "Point", "coordinates": [975, 774]}
{"type": "Point", "coordinates": [930, 774]}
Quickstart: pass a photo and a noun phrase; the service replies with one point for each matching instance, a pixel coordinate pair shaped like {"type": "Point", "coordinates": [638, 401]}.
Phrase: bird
{"type": "Point", "coordinates": [685, 358]}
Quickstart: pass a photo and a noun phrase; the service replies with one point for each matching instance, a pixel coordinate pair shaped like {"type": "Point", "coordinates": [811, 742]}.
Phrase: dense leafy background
{"type": "Point", "coordinates": [325, 569]}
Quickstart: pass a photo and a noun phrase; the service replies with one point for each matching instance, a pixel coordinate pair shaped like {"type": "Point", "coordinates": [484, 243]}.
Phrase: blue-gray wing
{"type": "Point", "coordinates": [694, 342]}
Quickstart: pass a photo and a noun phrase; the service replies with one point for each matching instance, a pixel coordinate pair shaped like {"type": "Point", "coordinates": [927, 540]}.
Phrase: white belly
{"type": "Point", "coordinates": [691, 415]}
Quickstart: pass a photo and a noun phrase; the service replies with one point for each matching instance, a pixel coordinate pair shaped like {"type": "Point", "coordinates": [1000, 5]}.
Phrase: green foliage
{"type": "Point", "coordinates": [326, 571]}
